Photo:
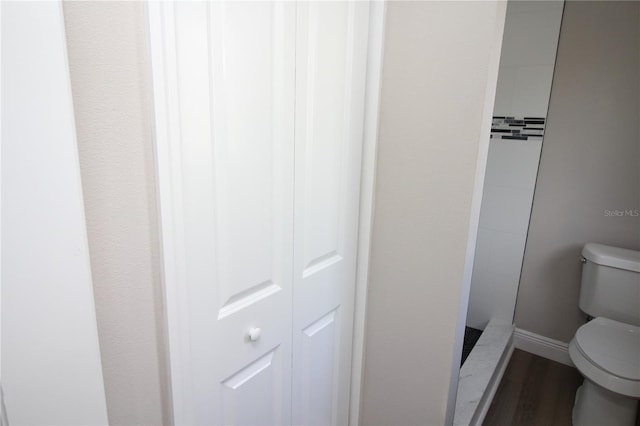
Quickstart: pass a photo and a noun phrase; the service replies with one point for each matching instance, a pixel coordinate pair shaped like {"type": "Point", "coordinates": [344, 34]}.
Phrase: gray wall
{"type": "Point", "coordinates": [110, 77]}
{"type": "Point", "coordinates": [439, 60]}
{"type": "Point", "coordinates": [590, 162]}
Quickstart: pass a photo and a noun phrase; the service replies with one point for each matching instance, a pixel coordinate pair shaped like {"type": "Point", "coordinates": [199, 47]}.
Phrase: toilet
{"type": "Point", "coordinates": [606, 350]}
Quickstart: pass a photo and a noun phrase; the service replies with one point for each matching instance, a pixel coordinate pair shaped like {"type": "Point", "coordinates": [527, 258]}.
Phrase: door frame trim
{"type": "Point", "coordinates": [174, 293]}
{"type": "Point", "coordinates": [172, 268]}
{"type": "Point", "coordinates": [375, 54]}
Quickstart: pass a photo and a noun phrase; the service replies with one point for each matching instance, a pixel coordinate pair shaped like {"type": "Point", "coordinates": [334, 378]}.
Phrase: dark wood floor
{"type": "Point", "coordinates": [534, 391]}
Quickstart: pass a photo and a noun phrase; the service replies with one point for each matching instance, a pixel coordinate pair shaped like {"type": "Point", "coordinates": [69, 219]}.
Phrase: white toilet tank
{"type": "Point", "coordinates": [611, 283]}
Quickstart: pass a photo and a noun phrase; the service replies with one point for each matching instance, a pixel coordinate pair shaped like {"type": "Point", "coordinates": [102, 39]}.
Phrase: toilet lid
{"type": "Point", "coordinates": [612, 345]}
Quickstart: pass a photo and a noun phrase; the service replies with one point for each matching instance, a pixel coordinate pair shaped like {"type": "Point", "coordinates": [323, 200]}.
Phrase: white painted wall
{"type": "Point", "coordinates": [504, 219]}
{"type": "Point", "coordinates": [51, 369]}
{"type": "Point", "coordinates": [528, 56]}
{"type": "Point", "coordinates": [433, 117]}
{"type": "Point", "coordinates": [111, 80]}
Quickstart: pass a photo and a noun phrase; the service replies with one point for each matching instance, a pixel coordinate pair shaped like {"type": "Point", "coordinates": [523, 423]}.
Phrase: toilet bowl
{"type": "Point", "coordinates": [607, 354]}
{"type": "Point", "coordinates": [606, 350]}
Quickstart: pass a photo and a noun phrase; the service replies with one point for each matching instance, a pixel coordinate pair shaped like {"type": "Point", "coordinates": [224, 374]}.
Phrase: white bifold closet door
{"type": "Point", "coordinates": [259, 115]}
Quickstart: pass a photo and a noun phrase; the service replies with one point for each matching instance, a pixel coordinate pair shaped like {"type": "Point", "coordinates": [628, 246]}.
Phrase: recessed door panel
{"type": "Point", "coordinates": [318, 359]}
{"type": "Point", "coordinates": [250, 142]}
{"type": "Point", "coordinates": [253, 395]}
{"type": "Point", "coordinates": [325, 131]}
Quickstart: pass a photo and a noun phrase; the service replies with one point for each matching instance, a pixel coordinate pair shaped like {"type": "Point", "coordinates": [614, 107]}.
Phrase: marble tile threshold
{"type": "Point", "coordinates": [481, 373]}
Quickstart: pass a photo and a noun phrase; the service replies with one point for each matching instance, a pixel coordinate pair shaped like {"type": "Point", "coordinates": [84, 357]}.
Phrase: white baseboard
{"type": "Point", "coordinates": [545, 347]}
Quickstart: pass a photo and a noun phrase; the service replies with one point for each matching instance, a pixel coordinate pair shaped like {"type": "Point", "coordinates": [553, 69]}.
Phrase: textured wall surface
{"type": "Point", "coordinates": [590, 162]}
{"type": "Point", "coordinates": [110, 77]}
{"type": "Point", "coordinates": [435, 75]}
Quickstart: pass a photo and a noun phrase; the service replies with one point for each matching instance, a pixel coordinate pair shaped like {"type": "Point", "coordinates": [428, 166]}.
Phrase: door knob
{"type": "Point", "coordinates": [254, 334]}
